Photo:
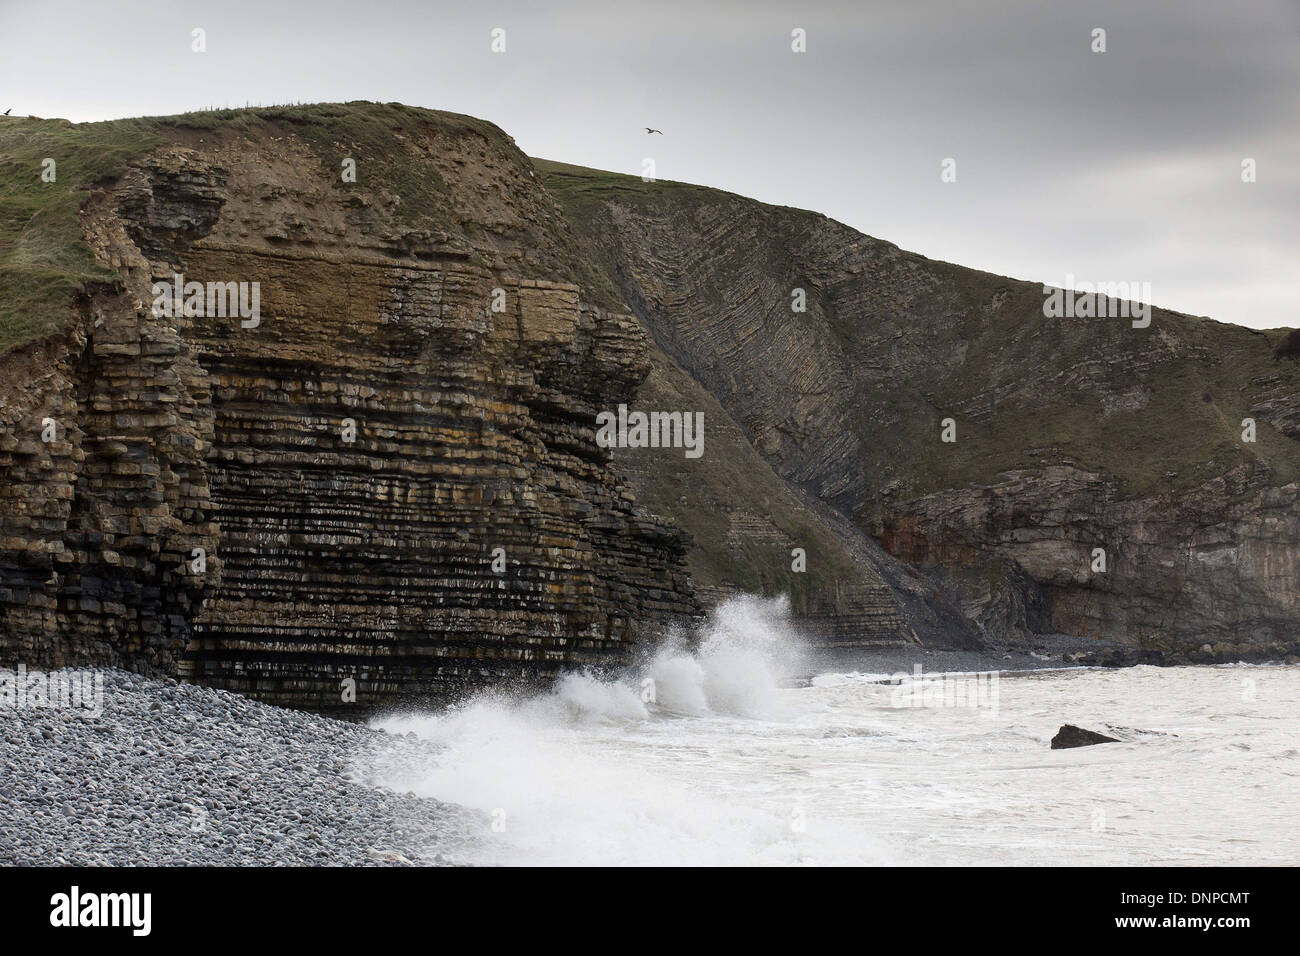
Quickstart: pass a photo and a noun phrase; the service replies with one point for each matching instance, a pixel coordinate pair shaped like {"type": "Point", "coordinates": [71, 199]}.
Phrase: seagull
{"type": "Point", "coordinates": [7, 111]}
{"type": "Point", "coordinates": [649, 130]}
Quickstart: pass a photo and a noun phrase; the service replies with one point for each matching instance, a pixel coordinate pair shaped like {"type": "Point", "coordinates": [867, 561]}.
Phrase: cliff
{"type": "Point", "coordinates": [374, 462]}
{"type": "Point", "coordinates": [279, 503]}
{"type": "Point", "coordinates": [1072, 434]}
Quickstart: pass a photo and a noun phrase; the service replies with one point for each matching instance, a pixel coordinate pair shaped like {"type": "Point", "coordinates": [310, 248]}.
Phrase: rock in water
{"type": "Point", "coordinates": [1072, 736]}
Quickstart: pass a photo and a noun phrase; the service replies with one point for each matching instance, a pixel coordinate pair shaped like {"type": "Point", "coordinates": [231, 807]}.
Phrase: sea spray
{"type": "Point", "coordinates": [597, 770]}
{"type": "Point", "coordinates": [842, 776]}
{"type": "Point", "coordinates": [744, 653]}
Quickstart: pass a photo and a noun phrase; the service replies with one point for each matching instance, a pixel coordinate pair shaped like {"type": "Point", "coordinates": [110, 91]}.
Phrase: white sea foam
{"type": "Point", "coordinates": [600, 771]}
{"type": "Point", "coordinates": [726, 764]}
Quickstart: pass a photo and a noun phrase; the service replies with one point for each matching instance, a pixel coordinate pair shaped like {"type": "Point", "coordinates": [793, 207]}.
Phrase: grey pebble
{"type": "Point", "coordinates": [179, 775]}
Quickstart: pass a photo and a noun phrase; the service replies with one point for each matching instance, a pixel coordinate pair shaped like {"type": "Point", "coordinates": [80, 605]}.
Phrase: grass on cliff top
{"type": "Point", "coordinates": [43, 259]}
{"type": "Point", "coordinates": [581, 189]}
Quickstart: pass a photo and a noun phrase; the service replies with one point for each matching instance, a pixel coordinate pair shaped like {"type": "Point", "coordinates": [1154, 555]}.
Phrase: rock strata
{"type": "Point", "coordinates": [1131, 485]}
{"type": "Point", "coordinates": [383, 487]}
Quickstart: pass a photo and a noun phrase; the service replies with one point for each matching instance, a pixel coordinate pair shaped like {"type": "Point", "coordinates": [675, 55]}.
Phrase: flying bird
{"type": "Point", "coordinates": [649, 130]}
{"type": "Point", "coordinates": [7, 111]}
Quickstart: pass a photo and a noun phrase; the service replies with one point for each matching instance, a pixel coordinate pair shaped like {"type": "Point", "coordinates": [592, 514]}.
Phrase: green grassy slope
{"type": "Point", "coordinates": [42, 256]}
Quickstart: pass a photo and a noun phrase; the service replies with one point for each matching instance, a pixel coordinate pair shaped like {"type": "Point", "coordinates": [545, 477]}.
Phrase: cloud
{"type": "Point", "coordinates": [1068, 160]}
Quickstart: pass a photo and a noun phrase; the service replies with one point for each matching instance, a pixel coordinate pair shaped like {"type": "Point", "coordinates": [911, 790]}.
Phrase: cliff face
{"type": "Point", "coordinates": [275, 504]}
{"type": "Point", "coordinates": [751, 532]}
{"type": "Point", "coordinates": [1072, 434]}
{"type": "Point", "coordinates": [1215, 565]}
{"type": "Point", "coordinates": [386, 476]}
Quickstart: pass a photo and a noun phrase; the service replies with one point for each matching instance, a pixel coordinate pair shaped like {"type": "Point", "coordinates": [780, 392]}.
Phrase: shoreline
{"type": "Point", "coordinates": [179, 774]}
{"type": "Point", "coordinates": [891, 661]}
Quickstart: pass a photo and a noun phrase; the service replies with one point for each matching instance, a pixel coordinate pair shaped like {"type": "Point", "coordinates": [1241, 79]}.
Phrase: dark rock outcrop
{"type": "Point", "coordinates": [1071, 736]}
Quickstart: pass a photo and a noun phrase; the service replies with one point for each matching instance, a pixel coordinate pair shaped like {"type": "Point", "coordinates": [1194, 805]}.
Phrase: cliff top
{"type": "Point", "coordinates": [406, 160]}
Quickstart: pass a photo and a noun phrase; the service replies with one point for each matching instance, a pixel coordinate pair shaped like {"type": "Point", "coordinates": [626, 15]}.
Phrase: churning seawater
{"type": "Point", "coordinates": [730, 765]}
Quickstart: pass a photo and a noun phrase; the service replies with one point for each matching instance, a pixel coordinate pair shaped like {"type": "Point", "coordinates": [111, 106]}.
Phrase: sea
{"type": "Point", "coordinates": [733, 747]}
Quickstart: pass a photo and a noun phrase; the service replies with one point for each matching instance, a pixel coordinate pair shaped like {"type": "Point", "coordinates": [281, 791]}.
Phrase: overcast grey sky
{"type": "Point", "coordinates": [1115, 166]}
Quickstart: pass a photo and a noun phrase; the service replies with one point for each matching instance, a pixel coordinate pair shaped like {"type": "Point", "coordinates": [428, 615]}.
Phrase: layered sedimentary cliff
{"type": "Point", "coordinates": [384, 478]}
{"type": "Point", "coordinates": [1072, 435]}
{"type": "Point", "coordinates": [387, 475]}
